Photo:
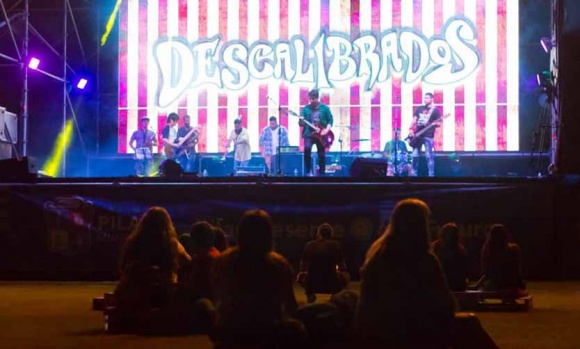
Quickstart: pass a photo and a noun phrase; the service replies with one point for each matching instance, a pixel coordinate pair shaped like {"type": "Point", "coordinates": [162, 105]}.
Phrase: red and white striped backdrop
{"type": "Point", "coordinates": [483, 106]}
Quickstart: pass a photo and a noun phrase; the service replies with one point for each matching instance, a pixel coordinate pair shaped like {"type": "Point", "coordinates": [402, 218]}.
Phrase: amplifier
{"type": "Point", "coordinates": [289, 149]}
{"type": "Point", "coordinates": [243, 171]}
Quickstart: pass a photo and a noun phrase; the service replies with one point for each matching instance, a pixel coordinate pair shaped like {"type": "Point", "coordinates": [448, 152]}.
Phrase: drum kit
{"type": "Point", "coordinates": [397, 165]}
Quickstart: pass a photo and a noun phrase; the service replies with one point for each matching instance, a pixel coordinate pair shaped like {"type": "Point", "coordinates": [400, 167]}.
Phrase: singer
{"type": "Point", "coordinates": [142, 142]}
{"type": "Point", "coordinates": [241, 139]}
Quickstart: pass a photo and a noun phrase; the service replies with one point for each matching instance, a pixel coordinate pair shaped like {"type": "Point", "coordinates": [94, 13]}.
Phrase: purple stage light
{"type": "Point", "coordinates": [34, 63]}
{"type": "Point", "coordinates": [82, 84]}
{"type": "Point", "coordinates": [546, 44]}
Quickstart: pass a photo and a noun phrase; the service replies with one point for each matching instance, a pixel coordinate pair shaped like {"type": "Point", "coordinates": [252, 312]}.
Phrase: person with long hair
{"type": "Point", "coordinates": [253, 285]}
{"type": "Point", "coordinates": [452, 256]}
{"type": "Point", "coordinates": [500, 262]}
{"type": "Point", "coordinates": [149, 261]}
{"type": "Point", "coordinates": [405, 300]}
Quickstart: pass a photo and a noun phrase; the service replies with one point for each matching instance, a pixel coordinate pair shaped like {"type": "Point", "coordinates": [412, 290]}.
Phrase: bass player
{"type": "Point", "coordinates": [319, 115]}
{"type": "Point", "coordinates": [426, 117]}
{"type": "Point", "coordinates": [185, 155]}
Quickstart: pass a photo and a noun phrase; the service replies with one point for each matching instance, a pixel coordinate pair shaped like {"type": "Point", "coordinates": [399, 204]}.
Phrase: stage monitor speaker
{"type": "Point", "coordinates": [14, 169]}
{"type": "Point", "coordinates": [368, 168]}
{"type": "Point", "coordinates": [292, 162]}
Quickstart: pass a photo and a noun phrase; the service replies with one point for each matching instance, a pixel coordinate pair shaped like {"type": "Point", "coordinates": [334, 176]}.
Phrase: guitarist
{"type": "Point", "coordinates": [169, 135]}
{"type": "Point", "coordinates": [186, 153]}
{"type": "Point", "coordinates": [318, 114]}
{"type": "Point", "coordinates": [424, 116]}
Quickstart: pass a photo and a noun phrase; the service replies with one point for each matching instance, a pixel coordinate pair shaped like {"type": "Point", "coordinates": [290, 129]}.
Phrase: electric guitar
{"type": "Point", "coordinates": [325, 140]}
{"type": "Point", "coordinates": [415, 140]}
{"type": "Point", "coordinates": [189, 144]}
{"type": "Point", "coordinates": [170, 150]}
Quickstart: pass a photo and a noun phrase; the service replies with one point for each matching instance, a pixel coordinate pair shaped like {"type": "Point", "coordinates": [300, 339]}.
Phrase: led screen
{"type": "Point", "coordinates": [372, 60]}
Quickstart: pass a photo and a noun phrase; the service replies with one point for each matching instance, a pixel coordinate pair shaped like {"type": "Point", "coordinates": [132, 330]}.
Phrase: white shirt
{"type": "Point", "coordinates": [242, 145]}
{"type": "Point", "coordinates": [172, 134]}
{"type": "Point", "coordinates": [275, 140]}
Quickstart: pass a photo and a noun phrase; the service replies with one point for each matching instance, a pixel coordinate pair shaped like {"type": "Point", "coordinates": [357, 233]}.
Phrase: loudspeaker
{"type": "Point", "coordinates": [368, 168]}
{"type": "Point", "coordinates": [14, 169]}
{"type": "Point", "coordinates": [291, 162]}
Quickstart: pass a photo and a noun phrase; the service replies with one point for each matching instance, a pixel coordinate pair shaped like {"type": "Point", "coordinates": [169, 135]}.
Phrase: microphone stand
{"type": "Point", "coordinates": [279, 155]}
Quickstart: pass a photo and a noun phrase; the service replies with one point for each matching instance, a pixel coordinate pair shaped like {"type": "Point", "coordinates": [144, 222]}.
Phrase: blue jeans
{"type": "Point", "coordinates": [187, 162]}
{"type": "Point", "coordinates": [429, 154]}
{"type": "Point", "coordinates": [143, 161]}
{"type": "Point", "coordinates": [240, 163]}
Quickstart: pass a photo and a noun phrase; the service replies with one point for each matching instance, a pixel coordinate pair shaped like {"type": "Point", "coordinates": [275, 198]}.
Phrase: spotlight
{"type": "Point", "coordinates": [82, 84]}
{"type": "Point", "coordinates": [544, 78]}
{"type": "Point", "coordinates": [547, 44]}
{"type": "Point", "coordinates": [34, 63]}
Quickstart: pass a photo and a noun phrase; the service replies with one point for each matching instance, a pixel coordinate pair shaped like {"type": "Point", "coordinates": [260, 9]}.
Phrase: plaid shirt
{"type": "Point", "coordinates": [266, 140]}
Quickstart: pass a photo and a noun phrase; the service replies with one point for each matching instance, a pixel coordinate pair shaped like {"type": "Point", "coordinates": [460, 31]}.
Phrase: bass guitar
{"type": "Point", "coordinates": [170, 150]}
{"type": "Point", "coordinates": [326, 140]}
{"type": "Point", "coordinates": [415, 140]}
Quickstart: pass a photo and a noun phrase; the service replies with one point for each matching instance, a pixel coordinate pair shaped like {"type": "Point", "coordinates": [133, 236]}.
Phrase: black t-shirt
{"type": "Point", "coordinates": [165, 132]}
{"type": "Point", "coordinates": [423, 119]}
{"type": "Point", "coordinates": [182, 132]}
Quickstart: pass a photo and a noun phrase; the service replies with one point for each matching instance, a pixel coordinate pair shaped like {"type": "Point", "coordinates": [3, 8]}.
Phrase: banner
{"type": "Point", "coordinates": [79, 230]}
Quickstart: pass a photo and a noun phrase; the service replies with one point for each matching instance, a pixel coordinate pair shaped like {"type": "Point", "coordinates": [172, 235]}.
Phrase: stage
{"type": "Point", "coordinates": [73, 228]}
{"type": "Point", "coordinates": [447, 164]}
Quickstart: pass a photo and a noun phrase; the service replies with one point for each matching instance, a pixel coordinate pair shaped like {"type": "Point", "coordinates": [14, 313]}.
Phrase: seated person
{"type": "Point", "coordinates": [452, 256]}
{"type": "Point", "coordinates": [322, 268]}
{"type": "Point", "coordinates": [500, 263]}
{"type": "Point", "coordinates": [405, 301]}
{"type": "Point", "coordinates": [221, 242]}
{"type": "Point", "coordinates": [195, 277]}
{"type": "Point", "coordinates": [253, 285]}
{"type": "Point", "coordinates": [149, 263]}
{"type": "Point", "coordinates": [396, 153]}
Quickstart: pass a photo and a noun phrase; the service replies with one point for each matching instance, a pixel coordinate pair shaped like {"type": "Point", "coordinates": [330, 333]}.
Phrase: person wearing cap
{"type": "Point", "coordinates": [318, 114]}
{"type": "Point", "coordinates": [142, 142]}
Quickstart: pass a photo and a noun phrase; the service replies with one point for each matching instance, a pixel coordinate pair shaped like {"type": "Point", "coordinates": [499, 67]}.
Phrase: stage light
{"type": "Point", "coordinates": [52, 166]}
{"type": "Point", "coordinates": [110, 23]}
{"type": "Point", "coordinates": [82, 84]}
{"type": "Point", "coordinates": [34, 63]}
{"type": "Point", "coordinates": [544, 78]}
{"type": "Point", "coordinates": [547, 43]}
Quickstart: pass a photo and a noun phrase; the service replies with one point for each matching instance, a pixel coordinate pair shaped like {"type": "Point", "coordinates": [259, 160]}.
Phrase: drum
{"type": "Point", "coordinates": [404, 161]}
{"type": "Point", "coordinates": [402, 157]}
